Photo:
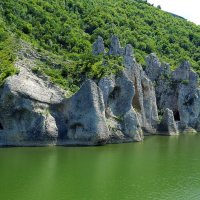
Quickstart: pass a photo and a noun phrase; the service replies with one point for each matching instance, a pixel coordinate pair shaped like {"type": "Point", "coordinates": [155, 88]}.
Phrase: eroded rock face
{"type": "Point", "coordinates": [106, 85]}
{"type": "Point", "coordinates": [120, 99]}
{"type": "Point", "coordinates": [153, 67]}
{"type": "Point", "coordinates": [25, 114]}
{"type": "Point", "coordinates": [34, 112]}
{"type": "Point", "coordinates": [168, 125]}
{"type": "Point", "coordinates": [166, 89]}
{"type": "Point", "coordinates": [189, 106]}
{"type": "Point", "coordinates": [144, 100]}
{"type": "Point", "coordinates": [149, 103]}
{"type": "Point", "coordinates": [182, 72]}
{"type": "Point", "coordinates": [85, 116]}
{"type": "Point", "coordinates": [122, 120]}
{"type": "Point", "coordinates": [178, 91]}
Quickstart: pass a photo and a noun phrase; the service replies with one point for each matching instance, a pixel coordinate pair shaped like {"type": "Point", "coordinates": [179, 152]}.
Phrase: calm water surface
{"type": "Point", "coordinates": [160, 168]}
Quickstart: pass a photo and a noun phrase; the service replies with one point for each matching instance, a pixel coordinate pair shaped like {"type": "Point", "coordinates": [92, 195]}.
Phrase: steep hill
{"type": "Point", "coordinates": [64, 30]}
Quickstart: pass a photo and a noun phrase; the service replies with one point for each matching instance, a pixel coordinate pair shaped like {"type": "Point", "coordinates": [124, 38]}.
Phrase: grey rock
{"type": "Point", "coordinates": [144, 100]}
{"type": "Point", "coordinates": [128, 50]}
{"type": "Point", "coordinates": [149, 103]}
{"type": "Point", "coordinates": [167, 94]}
{"type": "Point", "coordinates": [25, 117]}
{"type": "Point", "coordinates": [115, 47]}
{"type": "Point", "coordinates": [122, 108]}
{"type": "Point", "coordinates": [85, 116]}
{"type": "Point", "coordinates": [193, 79]}
{"type": "Point", "coordinates": [98, 46]}
{"type": "Point", "coordinates": [132, 126]}
{"type": "Point", "coordinates": [185, 74]}
{"type": "Point", "coordinates": [129, 60]}
{"type": "Point", "coordinates": [165, 70]}
{"type": "Point", "coordinates": [189, 106]}
{"type": "Point", "coordinates": [153, 67]}
{"type": "Point", "coordinates": [168, 125]}
{"type": "Point", "coordinates": [120, 99]}
{"type": "Point", "coordinates": [122, 119]}
{"type": "Point", "coordinates": [50, 126]}
{"type": "Point", "coordinates": [106, 85]}
{"type": "Point", "coordinates": [178, 91]}
{"type": "Point", "coordinates": [182, 72]}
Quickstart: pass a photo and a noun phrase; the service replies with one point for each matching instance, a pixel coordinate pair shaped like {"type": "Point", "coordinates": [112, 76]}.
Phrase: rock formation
{"type": "Point", "coordinates": [122, 119]}
{"type": "Point", "coordinates": [115, 109]}
{"type": "Point", "coordinates": [25, 115]}
{"type": "Point", "coordinates": [98, 46]}
{"type": "Point", "coordinates": [144, 101]}
{"type": "Point", "coordinates": [168, 125]}
{"type": "Point", "coordinates": [84, 116]}
{"type": "Point", "coordinates": [115, 47]}
{"type": "Point", "coordinates": [177, 91]}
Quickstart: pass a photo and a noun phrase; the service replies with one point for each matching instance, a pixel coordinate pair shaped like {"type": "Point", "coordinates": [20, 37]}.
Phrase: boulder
{"type": "Point", "coordinates": [132, 126]}
{"type": "Point", "coordinates": [168, 124]}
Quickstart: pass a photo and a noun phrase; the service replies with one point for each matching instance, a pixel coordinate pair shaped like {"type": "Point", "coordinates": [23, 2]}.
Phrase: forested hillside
{"type": "Point", "coordinates": [66, 29]}
{"type": "Point", "coordinates": [8, 47]}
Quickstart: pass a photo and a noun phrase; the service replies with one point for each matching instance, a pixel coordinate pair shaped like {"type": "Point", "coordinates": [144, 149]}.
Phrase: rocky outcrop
{"type": "Point", "coordinates": [178, 91]}
{"type": "Point", "coordinates": [122, 119]}
{"type": "Point", "coordinates": [115, 47]}
{"type": "Point", "coordinates": [144, 101]}
{"type": "Point", "coordinates": [189, 106]}
{"type": "Point", "coordinates": [25, 115]}
{"type": "Point", "coordinates": [98, 46]}
{"type": "Point", "coordinates": [34, 112]}
{"type": "Point", "coordinates": [182, 72]}
{"type": "Point", "coordinates": [153, 67]}
{"type": "Point", "coordinates": [115, 109]}
{"type": "Point", "coordinates": [85, 116]}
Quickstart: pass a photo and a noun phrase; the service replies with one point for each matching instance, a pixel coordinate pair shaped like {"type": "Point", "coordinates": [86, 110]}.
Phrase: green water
{"type": "Point", "coordinates": [160, 168]}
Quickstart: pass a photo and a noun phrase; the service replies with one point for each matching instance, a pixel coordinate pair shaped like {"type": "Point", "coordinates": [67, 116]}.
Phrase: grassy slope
{"type": "Point", "coordinates": [67, 28]}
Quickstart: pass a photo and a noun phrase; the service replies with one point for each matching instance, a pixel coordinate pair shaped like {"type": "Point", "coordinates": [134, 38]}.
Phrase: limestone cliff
{"type": "Point", "coordinates": [114, 109]}
{"type": "Point", "coordinates": [177, 91]}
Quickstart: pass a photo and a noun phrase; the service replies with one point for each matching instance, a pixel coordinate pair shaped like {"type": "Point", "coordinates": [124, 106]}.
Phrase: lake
{"type": "Point", "coordinates": [160, 168]}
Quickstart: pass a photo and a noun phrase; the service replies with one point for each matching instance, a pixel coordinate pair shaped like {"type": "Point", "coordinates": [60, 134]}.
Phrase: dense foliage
{"type": "Point", "coordinates": [7, 53]}
{"type": "Point", "coordinates": [67, 28]}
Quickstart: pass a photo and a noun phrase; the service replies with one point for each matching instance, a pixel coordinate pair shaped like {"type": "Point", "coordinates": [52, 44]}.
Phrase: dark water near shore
{"type": "Point", "coordinates": [160, 168]}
